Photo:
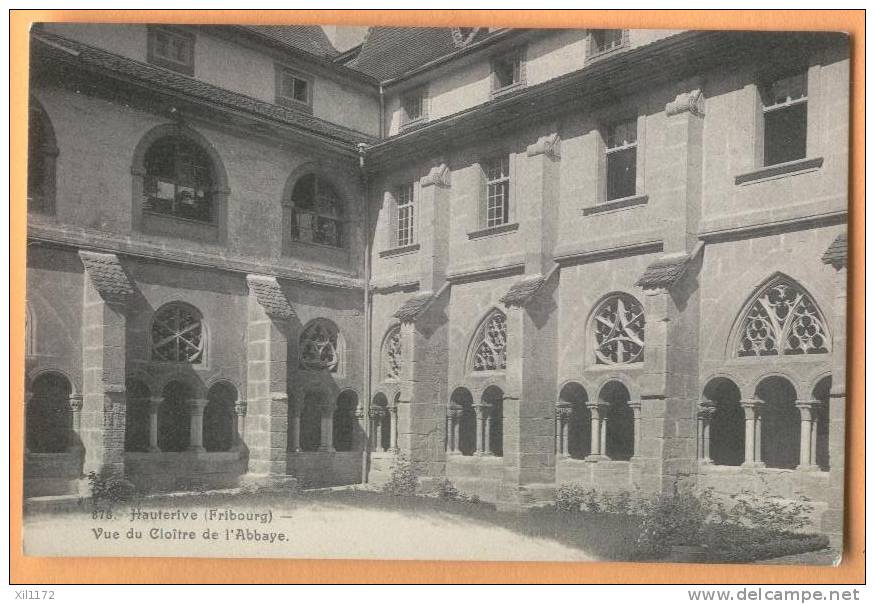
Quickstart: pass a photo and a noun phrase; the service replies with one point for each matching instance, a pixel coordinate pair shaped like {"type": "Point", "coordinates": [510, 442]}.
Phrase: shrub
{"type": "Point", "coordinates": [108, 489]}
{"type": "Point", "coordinates": [402, 479]}
{"type": "Point", "coordinates": [447, 491]}
{"type": "Point", "coordinates": [671, 519]}
{"type": "Point", "coordinates": [735, 543]}
{"type": "Point", "coordinates": [766, 512]}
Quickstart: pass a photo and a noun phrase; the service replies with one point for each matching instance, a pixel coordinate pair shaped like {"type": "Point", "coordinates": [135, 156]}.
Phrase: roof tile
{"type": "Point", "coordinates": [837, 252]}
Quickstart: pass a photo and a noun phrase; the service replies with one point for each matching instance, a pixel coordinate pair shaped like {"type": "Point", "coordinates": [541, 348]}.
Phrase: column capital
{"type": "Point", "coordinates": [751, 407]}
{"type": "Point", "coordinates": [706, 409]}
{"type": "Point", "coordinates": [196, 406]}
{"type": "Point", "coordinates": [635, 405]}
{"type": "Point", "coordinates": [75, 402]}
{"type": "Point", "coordinates": [454, 411]}
{"type": "Point", "coordinates": [597, 408]}
{"type": "Point", "coordinates": [377, 412]}
{"type": "Point", "coordinates": [483, 410]}
{"type": "Point", "coordinates": [240, 408]}
{"type": "Point", "coordinates": [155, 402]}
{"type": "Point", "coordinates": [563, 410]}
{"type": "Point", "coordinates": [808, 404]}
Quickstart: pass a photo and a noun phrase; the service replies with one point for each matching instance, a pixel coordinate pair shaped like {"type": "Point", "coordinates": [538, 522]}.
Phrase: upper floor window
{"type": "Point", "coordinates": [293, 88]}
{"type": "Point", "coordinates": [171, 48]}
{"type": "Point", "coordinates": [179, 180]}
{"type": "Point", "coordinates": [412, 107]}
{"type": "Point", "coordinates": [621, 157]}
{"type": "Point", "coordinates": [41, 155]}
{"type": "Point", "coordinates": [508, 71]}
{"type": "Point", "coordinates": [604, 40]}
{"type": "Point", "coordinates": [404, 216]}
{"type": "Point", "coordinates": [785, 116]}
{"type": "Point", "coordinates": [497, 203]}
{"type": "Point", "coordinates": [618, 331]}
{"type": "Point", "coordinates": [317, 211]}
{"type": "Point", "coordinates": [177, 334]}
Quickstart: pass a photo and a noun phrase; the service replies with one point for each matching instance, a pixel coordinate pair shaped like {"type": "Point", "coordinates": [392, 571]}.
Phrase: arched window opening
{"type": "Point", "coordinates": [137, 412]}
{"type": "Point", "coordinates": [726, 423]}
{"type": "Point", "coordinates": [49, 419]}
{"type": "Point", "coordinates": [578, 431]}
{"type": "Point", "coordinates": [490, 344]}
{"type": "Point", "coordinates": [174, 418]}
{"type": "Point", "coordinates": [462, 400]}
{"type": "Point", "coordinates": [320, 346]}
{"type": "Point", "coordinates": [42, 152]}
{"type": "Point", "coordinates": [493, 398]}
{"type": "Point", "coordinates": [344, 421]}
{"type": "Point", "coordinates": [178, 334]}
{"type": "Point", "coordinates": [180, 180]}
{"type": "Point", "coordinates": [821, 418]}
{"type": "Point", "coordinates": [381, 419]}
{"type": "Point", "coordinates": [317, 212]}
{"type": "Point", "coordinates": [392, 354]}
{"type": "Point", "coordinates": [219, 418]}
{"type": "Point", "coordinates": [620, 435]}
{"type": "Point", "coordinates": [618, 331]}
{"type": "Point", "coordinates": [783, 319]}
{"type": "Point", "coordinates": [781, 423]}
{"type": "Point", "coordinates": [311, 421]}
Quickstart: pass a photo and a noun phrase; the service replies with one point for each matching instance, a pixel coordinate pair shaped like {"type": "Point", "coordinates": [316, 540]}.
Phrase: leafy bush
{"type": "Point", "coordinates": [735, 543]}
{"type": "Point", "coordinates": [402, 479]}
{"type": "Point", "coordinates": [574, 498]}
{"type": "Point", "coordinates": [108, 489]}
{"type": "Point", "coordinates": [672, 519]}
{"type": "Point", "coordinates": [447, 491]}
{"type": "Point", "coordinates": [765, 512]}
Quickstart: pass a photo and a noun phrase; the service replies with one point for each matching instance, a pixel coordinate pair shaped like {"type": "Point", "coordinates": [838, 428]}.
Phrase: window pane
{"type": "Point", "coordinates": [621, 173]}
{"type": "Point", "coordinates": [607, 39]}
{"type": "Point", "coordinates": [300, 93]}
{"type": "Point", "coordinates": [413, 107]}
{"type": "Point", "coordinates": [304, 193]}
{"type": "Point", "coordinates": [788, 89]}
{"type": "Point", "coordinates": [506, 71]}
{"type": "Point", "coordinates": [784, 134]}
{"type": "Point", "coordinates": [622, 134]}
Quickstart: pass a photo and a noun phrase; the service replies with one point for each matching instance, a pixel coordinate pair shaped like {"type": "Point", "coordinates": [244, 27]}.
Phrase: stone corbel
{"type": "Point", "coordinates": [547, 145]}
{"type": "Point", "coordinates": [692, 101]}
{"type": "Point", "coordinates": [270, 297]}
{"type": "Point", "coordinates": [108, 276]}
{"type": "Point", "coordinates": [438, 175]}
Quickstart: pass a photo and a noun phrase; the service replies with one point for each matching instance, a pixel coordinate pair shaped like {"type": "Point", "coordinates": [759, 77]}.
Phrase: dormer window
{"type": "Point", "coordinates": [412, 107]}
{"type": "Point", "coordinates": [508, 71]}
{"type": "Point", "coordinates": [293, 89]}
{"type": "Point", "coordinates": [606, 40]}
{"type": "Point", "coordinates": [171, 48]}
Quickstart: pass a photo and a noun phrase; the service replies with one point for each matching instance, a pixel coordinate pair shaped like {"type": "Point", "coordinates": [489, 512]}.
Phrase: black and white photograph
{"type": "Point", "coordinates": [436, 293]}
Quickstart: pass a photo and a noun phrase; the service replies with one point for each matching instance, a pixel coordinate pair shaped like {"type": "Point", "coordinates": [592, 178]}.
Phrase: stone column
{"type": "Point", "coordinates": [240, 413]}
{"type": "Point", "coordinates": [376, 416]}
{"type": "Point", "coordinates": [704, 415]}
{"type": "Point", "coordinates": [598, 434]}
{"type": "Point", "coordinates": [482, 429]}
{"type": "Point", "coordinates": [393, 428]}
{"type": "Point", "coordinates": [196, 408]}
{"type": "Point", "coordinates": [563, 418]}
{"type": "Point", "coordinates": [154, 406]}
{"type": "Point", "coordinates": [75, 405]}
{"type": "Point", "coordinates": [454, 420]}
{"type": "Point", "coordinates": [752, 434]}
{"type": "Point", "coordinates": [636, 422]}
{"type": "Point", "coordinates": [807, 434]}
{"type": "Point", "coordinates": [326, 437]}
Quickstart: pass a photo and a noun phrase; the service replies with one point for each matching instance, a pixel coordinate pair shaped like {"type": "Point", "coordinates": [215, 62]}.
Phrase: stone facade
{"type": "Point", "coordinates": [534, 329]}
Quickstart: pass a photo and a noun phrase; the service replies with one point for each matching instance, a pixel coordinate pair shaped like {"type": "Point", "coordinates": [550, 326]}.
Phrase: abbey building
{"type": "Point", "coordinates": [524, 258]}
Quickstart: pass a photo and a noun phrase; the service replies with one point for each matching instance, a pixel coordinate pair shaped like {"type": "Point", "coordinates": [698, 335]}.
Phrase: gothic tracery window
{"type": "Point", "coordinates": [782, 320]}
{"type": "Point", "coordinates": [177, 334]}
{"type": "Point", "coordinates": [319, 346]}
{"type": "Point", "coordinates": [392, 354]}
{"type": "Point", "coordinates": [490, 350]}
{"type": "Point", "coordinates": [619, 331]}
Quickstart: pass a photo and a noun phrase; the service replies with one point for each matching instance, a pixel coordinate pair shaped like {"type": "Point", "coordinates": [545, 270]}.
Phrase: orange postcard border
{"type": "Point", "coordinates": [32, 570]}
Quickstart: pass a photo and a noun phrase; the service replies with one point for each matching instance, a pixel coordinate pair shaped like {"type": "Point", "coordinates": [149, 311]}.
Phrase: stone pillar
{"type": "Point", "coordinates": [752, 434]}
{"type": "Point", "coordinates": [104, 351]}
{"type": "Point", "coordinates": [807, 434]}
{"type": "Point", "coordinates": [703, 440]}
{"type": "Point", "coordinates": [154, 406]}
{"type": "Point", "coordinates": [240, 425]}
{"type": "Point", "coordinates": [376, 417]}
{"type": "Point", "coordinates": [393, 428]}
{"type": "Point", "coordinates": [636, 422]}
{"type": "Point", "coordinates": [196, 427]}
{"type": "Point", "coordinates": [75, 405]}
{"type": "Point", "coordinates": [482, 429]}
{"type": "Point", "coordinates": [563, 419]}
{"type": "Point", "coordinates": [268, 332]}
{"type": "Point", "coordinates": [598, 433]}
{"type": "Point", "coordinates": [454, 421]}
{"type": "Point", "coordinates": [294, 410]}
{"type": "Point", "coordinates": [326, 436]}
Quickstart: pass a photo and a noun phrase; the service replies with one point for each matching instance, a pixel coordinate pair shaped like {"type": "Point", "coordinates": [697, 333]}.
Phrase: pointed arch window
{"type": "Point", "coordinates": [392, 354]}
{"type": "Point", "coordinates": [490, 349]}
{"type": "Point", "coordinates": [618, 331]}
{"type": "Point", "coordinates": [178, 334]}
{"type": "Point", "coordinates": [783, 319]}
{"type": "Point", "coordinates": [320, 347]}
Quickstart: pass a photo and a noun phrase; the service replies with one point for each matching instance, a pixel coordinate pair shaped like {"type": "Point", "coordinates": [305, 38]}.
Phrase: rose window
{"type": "Point", "coordinates": [619, 331]}
{"type": "Point", "coordinates": [177, 335]}
{"type": "Point", "coordinates": [319, 348]}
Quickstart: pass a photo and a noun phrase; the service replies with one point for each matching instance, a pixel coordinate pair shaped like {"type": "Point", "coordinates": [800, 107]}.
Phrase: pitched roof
{"type": "Point", "coordinates": [521, 291]}
{"type": "Point", "coordinates": [270, 296]}
{"type": "Point", "coordinates": [309, 38]}
{"type": "Point", "coordinates": [412, 307]}
{"type": "Point", "coordinates": [837, 252]}
{"type": "Point", "coordinates": [388, 52]}
{"type": "Point", "coordinates": [107, 275]}
{"type": "Point", "coordinates": [664, 272]}
{"type": "Point", "coordinates": [58, 50]}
